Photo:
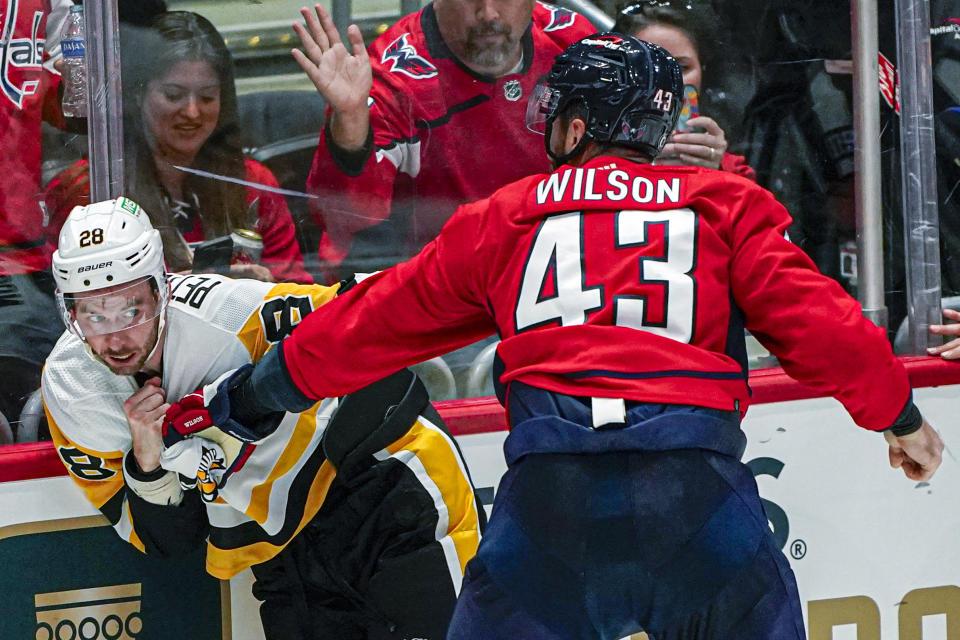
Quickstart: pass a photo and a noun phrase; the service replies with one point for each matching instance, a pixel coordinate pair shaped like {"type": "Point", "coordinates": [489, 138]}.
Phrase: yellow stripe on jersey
{"type": "Point", "coordinates": [447, 470]}
{"type": "Point", "coordinates": [133, 538]}
{"type": "Point", "coordinates": [282, 309]}
{"type": "Point", "coordinates": [226, 563]}
{"type": "Point", "coordinates": [300, 438]}
{"type": "Point", "coordinates": [90, 473]}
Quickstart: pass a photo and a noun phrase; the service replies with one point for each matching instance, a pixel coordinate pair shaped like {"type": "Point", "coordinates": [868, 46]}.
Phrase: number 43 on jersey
{"type": "Point", "coordinates": [558, 252]}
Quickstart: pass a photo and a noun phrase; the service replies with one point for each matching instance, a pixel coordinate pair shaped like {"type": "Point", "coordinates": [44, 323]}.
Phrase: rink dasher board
{"type": "Point", "coordinates": [871, 549]}
{"type": "Point", "coordinates": [873, 552]}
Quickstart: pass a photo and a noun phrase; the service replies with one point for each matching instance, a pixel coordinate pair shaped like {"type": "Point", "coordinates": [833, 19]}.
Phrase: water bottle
{"type": "Point", "coordinates": [74, 65]}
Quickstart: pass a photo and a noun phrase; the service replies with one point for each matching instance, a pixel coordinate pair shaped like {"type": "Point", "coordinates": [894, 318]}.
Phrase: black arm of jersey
{"type": "Point", "coordinates": [168, 531]}
{"type": "Point", "coordinates": [908, 421]}
{"type": "Point", "coordinates": [350, 162]}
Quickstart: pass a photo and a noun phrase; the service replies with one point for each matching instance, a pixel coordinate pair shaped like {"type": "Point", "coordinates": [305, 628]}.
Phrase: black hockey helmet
{"type": "Point", "coordinates": [631, 92]}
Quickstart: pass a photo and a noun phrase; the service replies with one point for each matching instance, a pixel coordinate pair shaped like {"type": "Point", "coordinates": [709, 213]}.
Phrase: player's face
{"type": "Point", "coordinates": [120, 324]}
{"type": "Point", "coordinates": [181, 109]}
{"type": "Point", "coordinates": [484, 34]}
{"type": "Point", "coordinates": [680, 47]}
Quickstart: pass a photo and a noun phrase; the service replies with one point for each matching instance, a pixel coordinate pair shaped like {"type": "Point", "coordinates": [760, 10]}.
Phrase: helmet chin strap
{"type": "Point", "coordinates": [163, 319]}
{"type": "Point", "coordinates": [156, 345]}
{"type": "Point", "coordinates": [562, 158]}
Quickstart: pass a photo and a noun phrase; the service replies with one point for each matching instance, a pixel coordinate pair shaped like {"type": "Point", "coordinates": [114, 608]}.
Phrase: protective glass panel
{"type": "Point", "coordinates": [244, 185]}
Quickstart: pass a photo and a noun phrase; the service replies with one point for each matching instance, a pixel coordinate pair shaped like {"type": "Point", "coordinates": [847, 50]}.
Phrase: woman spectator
{"type": "Point", "coordinates": [180, 137]}
{"type": "Point", "coordinates": [686, 31]}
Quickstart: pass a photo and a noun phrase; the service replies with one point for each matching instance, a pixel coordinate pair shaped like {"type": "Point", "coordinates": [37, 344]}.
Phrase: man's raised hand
{"type": "Point", "coordinates": [342, 77]}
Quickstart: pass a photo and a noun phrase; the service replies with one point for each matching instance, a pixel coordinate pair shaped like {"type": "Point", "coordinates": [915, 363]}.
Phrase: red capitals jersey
{"type": "Point", "coordinates": [615, 279]}
{"type": "Point", "coordinates": [443, 135]}
{"type": "Point", "coordinates": [28, 94]}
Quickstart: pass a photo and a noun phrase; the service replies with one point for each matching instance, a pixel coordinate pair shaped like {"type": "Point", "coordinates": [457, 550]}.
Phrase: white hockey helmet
{"type": "Point", "coordinates": [105, 245]}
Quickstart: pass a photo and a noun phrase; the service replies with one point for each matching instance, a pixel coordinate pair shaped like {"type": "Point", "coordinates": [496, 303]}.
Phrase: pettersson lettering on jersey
{"type": "Point", "coordinates": [601, 183]}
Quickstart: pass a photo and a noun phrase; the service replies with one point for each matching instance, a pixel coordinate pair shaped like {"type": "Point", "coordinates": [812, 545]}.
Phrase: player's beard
{"type": "Point", "coordinates": [133, 367]}
{"type": "Point", "coordinates": [490, 56]}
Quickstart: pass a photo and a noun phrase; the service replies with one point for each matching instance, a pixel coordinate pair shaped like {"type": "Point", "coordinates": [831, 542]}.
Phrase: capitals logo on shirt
{"type": "Point", "coordinates": [19, 56]}
{"type": "Point", "coordinates": [560, 18]}
{"type": "Point", "coordinates": [403, 57]}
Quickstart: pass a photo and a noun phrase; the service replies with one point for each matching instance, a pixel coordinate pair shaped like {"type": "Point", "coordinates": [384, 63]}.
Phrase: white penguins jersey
{"type": "Point", "coordinates": [213, 325]}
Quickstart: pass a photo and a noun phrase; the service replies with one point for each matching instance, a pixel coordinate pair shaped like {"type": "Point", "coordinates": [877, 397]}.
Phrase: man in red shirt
{"type": "Point", "coordinates": [29, 94]}
{"type": "Point", "coordinates": [430, 119]}
{"type": "Point", "coordinates": [621, 291]}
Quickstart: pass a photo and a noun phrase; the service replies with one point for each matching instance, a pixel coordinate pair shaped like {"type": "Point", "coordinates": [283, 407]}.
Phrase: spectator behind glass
{"type": "Point", "coordinates": [431, 119]}
{"type": "Point", "coordinates": [180, 110]}
{"type": "Point", "coordinates": [29, 94]}
{"type": "Point", "coordinates": [687, 32]}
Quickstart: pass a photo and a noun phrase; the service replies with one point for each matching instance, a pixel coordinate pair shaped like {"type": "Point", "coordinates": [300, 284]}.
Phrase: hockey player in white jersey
{"type": "Point", "coordinates": [357, 516]}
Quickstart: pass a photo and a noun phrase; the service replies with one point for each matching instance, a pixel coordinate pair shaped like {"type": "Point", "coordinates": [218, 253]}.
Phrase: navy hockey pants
{"type": "Point", "coordinates": [602, 545]}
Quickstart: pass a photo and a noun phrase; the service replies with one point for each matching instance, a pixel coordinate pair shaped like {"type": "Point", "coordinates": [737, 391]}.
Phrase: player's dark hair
{"type": "Point", "coordinates": [148, 53]}
{"type": "Point", "coordinates": [573, 109]}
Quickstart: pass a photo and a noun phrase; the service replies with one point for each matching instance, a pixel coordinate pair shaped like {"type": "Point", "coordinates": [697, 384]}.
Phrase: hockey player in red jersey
{"type": "Point", "coordinates": [430, 119]}
{"type": "Point", "coordinates": [621, 291]}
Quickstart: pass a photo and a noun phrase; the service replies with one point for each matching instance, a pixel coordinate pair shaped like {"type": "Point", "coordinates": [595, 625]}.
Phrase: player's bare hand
{"type": "Point", "coordinates": [918, 454]}
{"type": "Point", "coordinates": [343, 77]}
{"type": "Point", "coordinates": [950, 350]}
{"type": "Point", "coordinates": [145, 410]}
{"type": "Point", "coordinates": [703, 149]}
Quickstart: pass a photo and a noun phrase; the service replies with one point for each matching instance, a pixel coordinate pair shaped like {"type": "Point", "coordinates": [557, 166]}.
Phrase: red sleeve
{"type": "Point", "coordinates": [425, 307]}
{"type": "Point", "coordinates": [737, 165]}
{"type": "Point", "coordinates": [807, 320]}
{"type": "Point", "coordinates": [281, 253]}
{"type": "Point", "coordinates": [341, 196]}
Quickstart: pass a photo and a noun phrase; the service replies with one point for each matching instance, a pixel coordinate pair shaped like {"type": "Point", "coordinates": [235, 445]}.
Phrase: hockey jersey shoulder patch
{"type": "Point", "coordinates": [404, 58]}
{"type": "Point", "coordinates": [560, 18]}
